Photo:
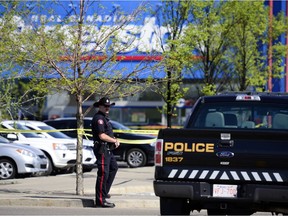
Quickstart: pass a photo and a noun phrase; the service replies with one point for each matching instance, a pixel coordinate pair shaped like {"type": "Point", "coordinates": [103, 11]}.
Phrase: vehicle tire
{"type": "Point", "coordinates": [174, 206]}
{"type": "Point", "coordinates": [8, 169]}
{"type": "Point", "coordinates": [50, 166]}
{"type": "Point", "coordinates": [86, 169]}
{"type": "Point", "coordinates": [136, 158]}
{"type": "Point", "coordinates": [216, 212]}
{"type": "Point", "coordinates": [229, 212]}
{"type": "Point", "coordinates": [68, 170]}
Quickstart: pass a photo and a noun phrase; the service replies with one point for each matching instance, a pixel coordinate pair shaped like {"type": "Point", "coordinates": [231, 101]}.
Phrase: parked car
{"type": "Point", "coordinates": [135, 149]}
{"type": "Point", "coordinates": [18, 159]}
{"type": "Point", "coordinates": [47, 131]}
{"type": "Point", "coordinates": [61, 155]}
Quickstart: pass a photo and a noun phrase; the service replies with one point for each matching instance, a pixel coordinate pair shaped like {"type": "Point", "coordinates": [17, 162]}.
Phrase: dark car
{"type": "Point", "coordinates": [135, 149]}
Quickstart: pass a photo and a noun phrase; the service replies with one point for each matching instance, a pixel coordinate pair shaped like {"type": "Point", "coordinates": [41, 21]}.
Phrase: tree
{"type": "Point", "coordinates": [15, 94]}
{"type": "Point", "coordinates": [229, 36]}
{"type": "Point", "coordinates": [81, 58]}
{"type": "Point", "coordinates": [207, 37]}
{"type": "Point", "coordinates": [174, 16]}
{"type": "Point", "coordinates": [250, 34]}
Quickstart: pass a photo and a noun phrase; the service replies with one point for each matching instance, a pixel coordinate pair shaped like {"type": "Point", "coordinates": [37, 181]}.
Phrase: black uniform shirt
{"type": "Point", "coordinates": [100, 124]}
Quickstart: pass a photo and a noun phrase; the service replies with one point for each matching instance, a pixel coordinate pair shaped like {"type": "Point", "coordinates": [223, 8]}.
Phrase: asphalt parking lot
{"type": "Point", "coordinates": [132, 188]}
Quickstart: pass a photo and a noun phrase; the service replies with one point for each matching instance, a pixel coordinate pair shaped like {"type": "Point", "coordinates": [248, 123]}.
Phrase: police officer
{"type": "Point", "coordinates": [104, 143]}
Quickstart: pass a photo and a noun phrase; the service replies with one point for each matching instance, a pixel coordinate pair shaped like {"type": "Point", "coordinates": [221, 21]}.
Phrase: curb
{"type": "Point", "coordinates": [87, 202]}
{"type": "Point", "coordinates": [133, 188]}
{"type": "Point", "coordinates": [47, 202]}
{"type": "Point", "coordinates": [123, 197]}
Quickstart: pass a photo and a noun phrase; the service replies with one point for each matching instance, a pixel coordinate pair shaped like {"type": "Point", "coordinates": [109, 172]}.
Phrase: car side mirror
{"type": "Point", "coordinates": [12, 137]}
{"type": "Point", "coordinates": [41, 135]}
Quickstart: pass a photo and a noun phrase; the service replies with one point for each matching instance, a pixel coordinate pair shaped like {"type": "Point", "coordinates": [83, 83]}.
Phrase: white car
{"type": "Point", "coordinates": [18, 159]}
{"type": "Point", "coordinates": [61, 154]}
{"type": "Point", "coordinates": [46, 131]}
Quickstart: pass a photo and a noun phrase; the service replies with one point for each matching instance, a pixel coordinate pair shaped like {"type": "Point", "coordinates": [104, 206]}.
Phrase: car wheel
{"type": "Point", "coordinates": [136, 158]}
{"type": "Point", "coordinates": [216, 212]}
{"type": "Point", "coordinates": [69, 170]}
{"type": "Point", "coordinates": [174, 206]}
{"type": "Point", "coordinates": [8, 169]}
{"type": "Point", "coordinates": [229, 212]}
{"type": "Point", "coordinates": [50, 166]}
{"type": "Point", "coordinates": [86, 169]}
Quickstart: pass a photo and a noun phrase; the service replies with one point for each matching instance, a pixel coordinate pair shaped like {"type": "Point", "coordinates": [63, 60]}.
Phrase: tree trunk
{"type": "Point", "coordinates": [169, 106]}
{"type": "Point", "coordinates": [80, 129]}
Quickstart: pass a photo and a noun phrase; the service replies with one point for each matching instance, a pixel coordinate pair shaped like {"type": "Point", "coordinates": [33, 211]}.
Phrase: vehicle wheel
{"type": "Point", "coordinates": [136, 158]}
{"type": "Point", "coordinates": [174, 206]}
{"type": "Point", "coordinates": [87, 169]}
{"type": "Point", "coordinates": [229, 212]}
{"type": "Point", "coordinates": [50, 166]}
{"type": "Point", "coordinates": [84, 169]}
{"type": "Point", "coordinates": [69, 170]}
{"type": "Point", "coordinates": [8, 169]}
{"type": "Point", "coordinates": [216, 212]}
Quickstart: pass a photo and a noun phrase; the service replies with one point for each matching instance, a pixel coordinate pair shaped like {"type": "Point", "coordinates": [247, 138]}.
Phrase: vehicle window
{"type": "Point", "coordinates": [241, 115]}
{"type": "Point", "coordinates": [57, 124]}
{"type": "Point", "coordinates": [22, 127]}
{"type": "Point", "coordinates": [4, 140]}
{"type": "Point", "coordinates": [87, 123]}
{"type": "Point", "coordinates": [71, 124]}
{"type": "Point", "coordinates": [55, 134]}
{"type": "Point", "coordinates": [119, 126]}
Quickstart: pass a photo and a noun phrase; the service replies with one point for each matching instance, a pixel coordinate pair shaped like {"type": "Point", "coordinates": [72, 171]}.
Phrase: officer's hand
{"type": "Point", "coordinates": [117, 144]}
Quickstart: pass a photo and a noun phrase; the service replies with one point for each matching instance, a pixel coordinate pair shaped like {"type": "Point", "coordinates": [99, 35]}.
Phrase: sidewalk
{"type": "Point", "coordinates": [132, 188]}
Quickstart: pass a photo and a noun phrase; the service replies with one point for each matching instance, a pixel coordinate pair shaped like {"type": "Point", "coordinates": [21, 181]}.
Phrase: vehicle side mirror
{"type": "Point", "coordinates": [12, 137]}
{"type": "Point", "coordinates": [41, 135]}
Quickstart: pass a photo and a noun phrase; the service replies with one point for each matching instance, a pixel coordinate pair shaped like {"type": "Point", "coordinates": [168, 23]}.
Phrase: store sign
{"type": "Point", "coordinates": [144, 38]}
{"type": "Point", "coordinates": [141, 34]}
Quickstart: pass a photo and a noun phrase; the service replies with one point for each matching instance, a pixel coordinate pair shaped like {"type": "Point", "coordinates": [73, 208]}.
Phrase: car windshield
{"type": "Point", "coordinates": [241, 115]}
{"type": "Point", "coordinates": [22, 127]}
{"type": "Point", "coordinates": [55, 134]}
{"type": "Point", "coordinates": [119, 126]}
{"type": "Point", "coordinates": [4, 140]}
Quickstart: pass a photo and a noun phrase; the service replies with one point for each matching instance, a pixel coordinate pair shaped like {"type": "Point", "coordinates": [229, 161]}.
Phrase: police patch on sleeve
{"type": "Point", "coordinates": [100, 122]}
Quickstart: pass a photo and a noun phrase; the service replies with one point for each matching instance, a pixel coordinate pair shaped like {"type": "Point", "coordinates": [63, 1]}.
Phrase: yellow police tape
{"type": "Point", "coordinates": [87, 135]}
{"type": "Point", "coordinates": [149, 132]}
{"type": "Point", "coordinates": [146, 141]}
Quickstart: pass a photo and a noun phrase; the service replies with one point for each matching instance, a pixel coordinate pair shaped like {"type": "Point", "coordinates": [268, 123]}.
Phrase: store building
{"type": "Point", "coordinates": [139, 109]}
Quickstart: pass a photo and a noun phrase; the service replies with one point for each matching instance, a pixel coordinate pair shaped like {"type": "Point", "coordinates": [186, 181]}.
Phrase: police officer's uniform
{"type": "Point", "coordinates": [106, 162]}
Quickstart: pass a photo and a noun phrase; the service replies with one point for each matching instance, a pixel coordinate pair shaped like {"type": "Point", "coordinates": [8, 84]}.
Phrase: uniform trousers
{"type": "Point", "coordinates": [107, 169]}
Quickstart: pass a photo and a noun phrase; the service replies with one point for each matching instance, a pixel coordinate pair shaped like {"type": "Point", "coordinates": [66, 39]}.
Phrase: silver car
{"type": "Point", "coordinates": [20, 159]}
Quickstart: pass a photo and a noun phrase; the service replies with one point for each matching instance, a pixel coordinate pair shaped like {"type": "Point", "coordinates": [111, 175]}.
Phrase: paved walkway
{"type": "Point", "coordinates": [132, 188]}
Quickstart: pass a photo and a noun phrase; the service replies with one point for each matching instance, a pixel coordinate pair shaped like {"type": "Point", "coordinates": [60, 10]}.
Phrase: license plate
{"type": "Point", "coordinates": [220, 190]}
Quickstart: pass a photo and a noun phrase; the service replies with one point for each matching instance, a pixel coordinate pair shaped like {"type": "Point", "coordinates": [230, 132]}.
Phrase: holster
{"type": "Point", "coordinates": [100, 147]}
{"type": "Point", "coordinates": [111, 146]}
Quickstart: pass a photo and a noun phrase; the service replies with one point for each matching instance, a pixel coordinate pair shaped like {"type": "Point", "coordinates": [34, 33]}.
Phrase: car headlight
{"type": "Point", "coordinates": [59, 146]}
{"type": "Point", "coordinates": [26, 153]}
